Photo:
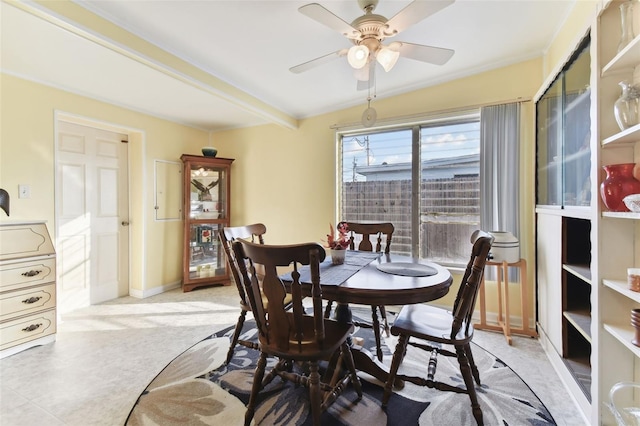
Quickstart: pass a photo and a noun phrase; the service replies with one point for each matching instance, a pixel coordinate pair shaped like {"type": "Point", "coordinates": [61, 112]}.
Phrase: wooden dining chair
{"type": "Point", "coordinates": [255, 233]}
{"type": "Point", "coordinates": [444, 327]}
{"type": "Point", "coordinates": [293, 335]}
{"type": "Point", "coordinates": [368, 236]}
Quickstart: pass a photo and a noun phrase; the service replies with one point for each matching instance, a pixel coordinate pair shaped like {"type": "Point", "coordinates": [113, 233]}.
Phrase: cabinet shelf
{"type": "Point", "coordinates": [621, 215]}
{"type": "Point", "coordinates": [581, 321]}
{"type": "Point", "coordinates": [624, 334]}
{"type": "Point", "coordinates": [627, 58]}
{"type": "Point", "coordinates": [581, 271]}
{"type": "Point", "coordinates": [627, 136]}
{"type": "Point", "coordinates": [580, 369]}
{"type": "Point", "coordinates": [623, 288]}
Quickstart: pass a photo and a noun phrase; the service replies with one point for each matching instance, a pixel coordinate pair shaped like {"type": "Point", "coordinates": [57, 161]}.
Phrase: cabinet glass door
{"type": "Point", "coordinates": [577, 132]}
{"type": "Point", "coordinates": [208, 192]}
{"type": "Point", "coordinates": [563, 136]}
{"type": "Point", "coordinates": [549, 122]}
{"type": "Point", "coordinates": [206, 257]}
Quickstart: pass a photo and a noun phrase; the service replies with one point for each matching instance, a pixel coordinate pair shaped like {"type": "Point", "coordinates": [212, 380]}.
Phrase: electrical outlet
{"type": "Point", "coordinates": [24, 191]}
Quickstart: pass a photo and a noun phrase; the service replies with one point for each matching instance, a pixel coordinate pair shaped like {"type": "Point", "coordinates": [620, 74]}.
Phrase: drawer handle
{"type": "Point", "coordinates": [31, 273]}
{"type": "Point", "coordinates": [32, 327]}
{"type": "Point", "coordinates": [31, 300]}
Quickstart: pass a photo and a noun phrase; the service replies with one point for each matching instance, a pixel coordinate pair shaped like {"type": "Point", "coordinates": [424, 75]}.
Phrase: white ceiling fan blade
{"type": "Point", "coordinates": [318, 61]}
{"type": "Point", "coordinates": [322, 15]}
{"type": "Point", "coordinates": [415, 12]}
{"type": "Point", "coordinates": [420, 52]}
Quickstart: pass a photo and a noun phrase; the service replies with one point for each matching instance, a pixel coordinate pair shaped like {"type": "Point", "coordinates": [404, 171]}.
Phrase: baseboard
{"type": "Point", "coordinates": [142, 294]}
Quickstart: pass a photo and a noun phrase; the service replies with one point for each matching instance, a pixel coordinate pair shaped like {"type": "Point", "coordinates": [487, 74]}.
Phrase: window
{"type": "Point", "coordinates": [439, 162]}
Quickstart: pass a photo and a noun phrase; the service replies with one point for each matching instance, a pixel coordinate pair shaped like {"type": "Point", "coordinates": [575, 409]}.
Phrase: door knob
{"type": "Point", "coordinates": [124, 223]}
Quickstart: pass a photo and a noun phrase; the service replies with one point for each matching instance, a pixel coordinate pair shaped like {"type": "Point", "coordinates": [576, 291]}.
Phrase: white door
{"type": "Point", "coordinates": [91, 216]}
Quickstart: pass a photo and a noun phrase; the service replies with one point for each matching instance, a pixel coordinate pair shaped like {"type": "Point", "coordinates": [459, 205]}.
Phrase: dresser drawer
{"type": "Point", "coordinates": [24, 240]}
{"type": "Point", "coordinates": [25, 329]}
{"type": "Point", "coordinates": [18, 275]}
{"type": "Point", "coordinates": [28, 301]}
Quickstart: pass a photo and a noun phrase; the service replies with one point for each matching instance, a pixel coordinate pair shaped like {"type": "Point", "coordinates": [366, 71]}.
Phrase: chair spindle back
{"type": "Point", "coordinates": [276, 326]}
{"type": "Point", "coordinates": [467, 293]}
{"type": "Point", "coordinates": [232, 233]}
{"type": "Point", "coordinates": [368, 230]}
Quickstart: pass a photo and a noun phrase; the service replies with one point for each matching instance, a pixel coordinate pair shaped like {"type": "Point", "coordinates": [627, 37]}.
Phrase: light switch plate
{"type": "Point", "coordinates": [24, 191]}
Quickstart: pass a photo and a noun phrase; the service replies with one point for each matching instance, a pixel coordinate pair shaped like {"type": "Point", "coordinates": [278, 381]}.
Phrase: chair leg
{"type": "Point", "coordinates": [347, 358]}
{"type": "Point", "coordinates": [327, 310]}
{"type": "Point", "coordinates": [398, 355]}
{"type": "Point", "coordinates": [315, 396]}
{"type": "Point", "coordinates": [236, 334]}
{"type": "Point", "coordinates": [472, 363]}
{"type": "Point", "coordinates": [376, 331]}
{"type": "Point", "coordinates": [383, 314]}
{"type": "Point", "coordinates": [255, 388]}
{"type": "Point", "coordinates": [468, 381]}
{"type": "Point", "coordinates": [332, 369]}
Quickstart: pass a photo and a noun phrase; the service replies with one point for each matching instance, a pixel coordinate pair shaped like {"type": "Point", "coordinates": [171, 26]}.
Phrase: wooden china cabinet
{"type": "Point", "coordinates": [206, 210]}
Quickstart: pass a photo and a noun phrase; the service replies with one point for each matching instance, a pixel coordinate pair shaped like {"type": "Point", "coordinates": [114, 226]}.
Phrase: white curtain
{"type": "Point", "coordinates": [500, 168]}
{"type": "Point", "coordinates": [500, 172]}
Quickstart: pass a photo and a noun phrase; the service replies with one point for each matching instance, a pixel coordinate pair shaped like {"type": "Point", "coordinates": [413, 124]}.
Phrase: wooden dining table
{"type": "Point", "coordinates": [379, 279]}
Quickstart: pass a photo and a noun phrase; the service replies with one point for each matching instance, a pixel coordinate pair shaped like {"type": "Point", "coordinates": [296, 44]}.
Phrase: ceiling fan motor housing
{"type": "Point", "coordinates": [370, 31]}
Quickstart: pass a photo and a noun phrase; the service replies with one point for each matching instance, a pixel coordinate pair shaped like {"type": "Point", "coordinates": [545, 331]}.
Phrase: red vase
{"type": "Point", "coordinates": [618, 184]}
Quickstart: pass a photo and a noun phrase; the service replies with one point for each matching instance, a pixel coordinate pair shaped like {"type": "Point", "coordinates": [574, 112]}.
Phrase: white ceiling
{"type": "Point", "coordinates": [251, 45]}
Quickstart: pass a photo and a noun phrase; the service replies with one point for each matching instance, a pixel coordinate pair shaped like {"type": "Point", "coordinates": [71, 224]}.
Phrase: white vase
{"type": "Point", "coordinates": [337, 256]}
{"type": "Point", "coordinates": [505, 247]}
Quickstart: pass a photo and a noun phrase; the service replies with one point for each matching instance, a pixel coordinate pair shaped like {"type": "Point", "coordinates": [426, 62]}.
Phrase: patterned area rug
{"type": "Point", "coordinates": [197, 388]}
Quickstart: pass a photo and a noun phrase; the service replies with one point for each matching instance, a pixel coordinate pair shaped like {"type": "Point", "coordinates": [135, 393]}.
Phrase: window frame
{"type": "Point", "coordinates": [415, 126]}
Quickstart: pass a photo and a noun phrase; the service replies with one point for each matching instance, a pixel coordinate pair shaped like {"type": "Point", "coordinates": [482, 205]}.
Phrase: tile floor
{"type": "Point", "coordinates": [105, 355]}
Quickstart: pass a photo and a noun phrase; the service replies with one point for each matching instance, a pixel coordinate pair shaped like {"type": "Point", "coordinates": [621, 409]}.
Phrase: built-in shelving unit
{"type": "Point", "coordinates": [618, 234]}
{"type": "Point", "coordinates": [583, 250]}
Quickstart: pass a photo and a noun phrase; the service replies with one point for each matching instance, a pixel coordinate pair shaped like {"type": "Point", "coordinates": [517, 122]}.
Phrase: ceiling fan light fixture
{"type": "Point", "coordinates": [387, 58]}
{"type": "Point", "coordinates": [358, 56]}
{"type": "Point", "coordinates": [362, 74]}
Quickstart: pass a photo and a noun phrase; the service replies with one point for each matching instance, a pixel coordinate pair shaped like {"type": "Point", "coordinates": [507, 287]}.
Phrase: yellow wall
{"type": "Point", "coordinates": [27, 145]}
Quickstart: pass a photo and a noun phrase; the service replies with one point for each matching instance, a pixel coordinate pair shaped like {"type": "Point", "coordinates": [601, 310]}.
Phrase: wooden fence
{"type": "Point", "coordinates": [449, 213]}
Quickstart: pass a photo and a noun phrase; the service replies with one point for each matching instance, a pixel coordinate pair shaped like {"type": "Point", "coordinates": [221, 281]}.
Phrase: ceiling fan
{"type": "Point", "coordinates": [369, 31]}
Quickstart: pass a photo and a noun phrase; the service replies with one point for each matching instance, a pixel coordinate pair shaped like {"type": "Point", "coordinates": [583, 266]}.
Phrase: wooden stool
{"type": "Point", "coordinates": [503, 301]}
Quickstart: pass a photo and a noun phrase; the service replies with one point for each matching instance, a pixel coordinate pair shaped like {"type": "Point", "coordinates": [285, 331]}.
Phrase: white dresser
{"type": "Point", "coordinates": [27, 287]}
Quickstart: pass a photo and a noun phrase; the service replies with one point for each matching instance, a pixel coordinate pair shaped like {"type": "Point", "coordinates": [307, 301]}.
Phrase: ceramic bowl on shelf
{"type": "Point", "coordinates": [209, 151]}
{"type": "Point", "coordinates": [632, 202]}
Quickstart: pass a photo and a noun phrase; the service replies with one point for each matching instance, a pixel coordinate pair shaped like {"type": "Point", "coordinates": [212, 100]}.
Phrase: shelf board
{"type": "Point", "coordinates": [627, 136]}
{"type": "Point", "coordinates": [581, 320]}
{"type": "Point", "coordinates": [581, 271]}
{"type": "Point", "coordinates": [621, 215]}
{"type": "Point", "coordinates": [627, 58]}
{"type": "Point", "coordinates": [624, 334]}
{"type": "Point", "coordinates": [576, 212]}
{"type": "Point", "coordinates": [622, 287]}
